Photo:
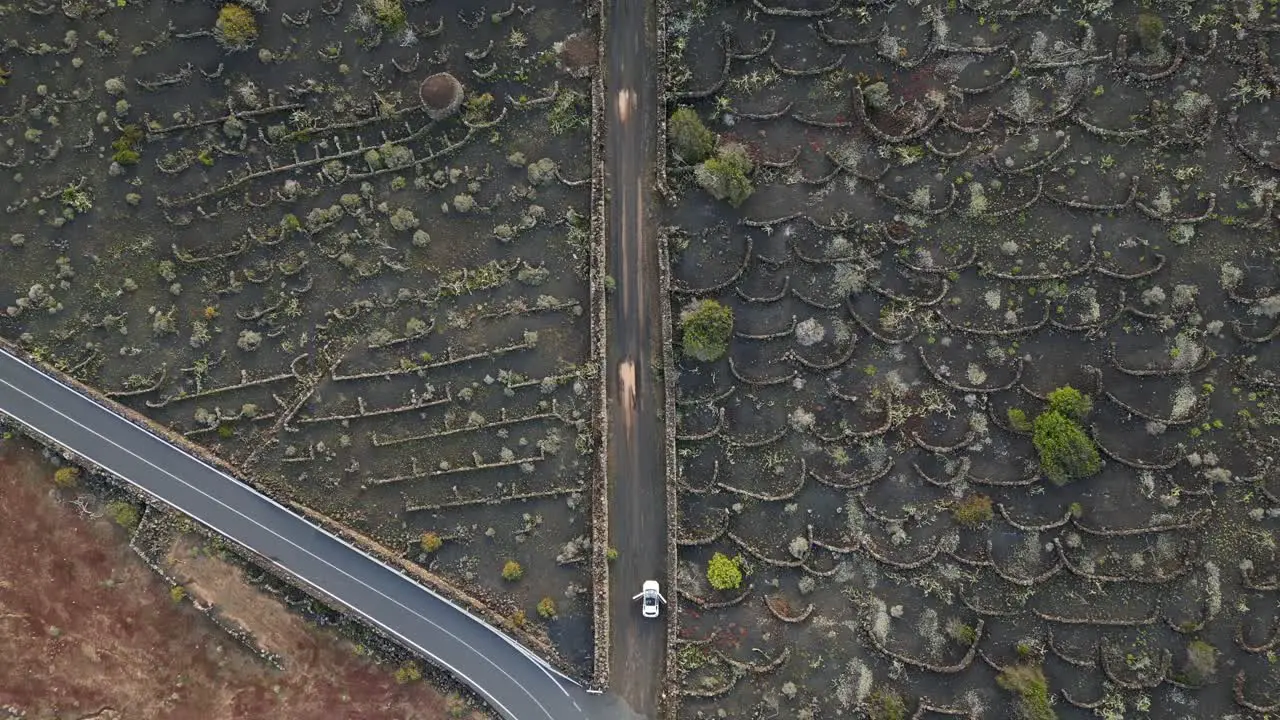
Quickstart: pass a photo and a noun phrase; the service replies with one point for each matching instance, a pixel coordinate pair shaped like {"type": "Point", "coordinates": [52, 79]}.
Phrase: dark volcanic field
{"type": "Point", "coordinates": [959, 207]}
{"type": "Point", "coordinates": [278, 252]}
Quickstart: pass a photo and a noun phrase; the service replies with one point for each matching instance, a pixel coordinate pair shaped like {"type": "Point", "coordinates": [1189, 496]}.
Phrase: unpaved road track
{"type": "Point", "coordinates": [637, 496]}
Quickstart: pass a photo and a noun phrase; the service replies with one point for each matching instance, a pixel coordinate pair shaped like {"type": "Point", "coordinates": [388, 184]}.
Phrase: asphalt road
{"type": "Point", "coordinates": [637, 499]}
{"type": "Point", "coordinates": [509, 678]}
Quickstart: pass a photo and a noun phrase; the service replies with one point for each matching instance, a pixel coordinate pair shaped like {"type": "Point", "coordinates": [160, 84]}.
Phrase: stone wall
{"type": "Point", "coordinates": [600, 362]}
{"type": "Point", "coordinates": [670, 706]}
{"type": "Point", "coordinates": [663, 8]}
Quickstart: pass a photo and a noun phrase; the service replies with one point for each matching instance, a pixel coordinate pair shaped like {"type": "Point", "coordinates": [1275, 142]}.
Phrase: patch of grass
{"type": "Point", "coordinates": [1202, 662]}
{"type": "Point", "coordinates": [974, 509]}
{"type": "Point", "coordinates": [1150, 29]}
{"type": "Point", "coordinates": [886, 704]}
{"type": "Point", "coordinates": [1032, 688]}
{"type": "Point", "coordinates": [568, 112]}
{"type": "Point", "coordinates": [408, 672]}
{"type": "Point", "coordinates": [477, 107]}
{"type": "Point", "coordinates": [512, 571]}
{"type": "Point", "coordinates": [126, 146]}
{"type": "Point", "coordinates": [124, 514]}
{"type": "Point", "coordinates": [66, 477]}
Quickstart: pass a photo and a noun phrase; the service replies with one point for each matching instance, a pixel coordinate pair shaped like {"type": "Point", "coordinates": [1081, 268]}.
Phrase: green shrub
{"type": "Point", "coordinates": [1070, 402]}
{"type": "Point", "coordinates": [1066, 451]}
{"type": "Point", "coordinates": [235, 28]}
{"type": "Point", "coordinates": [408, 672]}
{"type": "Point", "coordinates": [705, 329]}
{"type": "Point", "coordinates": [1018, 420]}
{"type": "Point", "coordinates": [691, 141]}
{"type": "Point", "coordinates": [177, 593]}
{"type": "Point", "coordinates": [125, 146]}
{"type": "Point", "coordinates": [1150, 30]}
{"type": "Point", "coordinates": [886, 704]}
{"type": "Point", "coordinates": [974, 509]}
{"type": "Point", "coordinates": [547, 608]}
{"type": "Point", "coordinates": [477, 107]}
{"type": "Point", "coordinates": [431, 542]}
{"type": "Point", "coordinates": [124, 514]}
{"type": "Point", "coordinates": [1202, 662]}
{"type": "Point", "coordinates": [126, 157]}
{"type": "Point", "coordinates": [388, 14]}
{"type": "Point", "coordinates": [964, 634]}
{"type": "Point", "coordinates": [727, 175]}
{"type": "Point", "coordinates": [1032, 688]}
{"type": "Point", "coordinates": [65, 477]}
{"type": "Point", "coordinates": [512, 571]}
{"type": "Point", "coordinates": [724, 572]}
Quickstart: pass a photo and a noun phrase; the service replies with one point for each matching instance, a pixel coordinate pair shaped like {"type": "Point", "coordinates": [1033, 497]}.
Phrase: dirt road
{"type": "Point", "coordinates": [638, 513]}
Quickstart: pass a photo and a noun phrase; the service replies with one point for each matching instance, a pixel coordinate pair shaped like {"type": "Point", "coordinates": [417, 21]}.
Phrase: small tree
{"type": "Point", "coordinates": [727, 175]}
{"type": "Point", "coordinates": [235, 28]}
{"type": "Point", "coordinates": [691, 141]}
{"type": "Point", "coordinates": [1070, 402]}
{"type": "Point", "coordinates": [1066, 451]}
{"type": "Point", "coordinates": [431, 542]}
{"type": "Point", "coordinates": [547, 608]}
{"type": "Point", "coordinates": [512, 571]}
{"type": "Point", "coordinates": [724, 572]}
{"type": "Point", "coordinates": [705, 328]}
{"type": "Point", "coordinates": [65, 477]}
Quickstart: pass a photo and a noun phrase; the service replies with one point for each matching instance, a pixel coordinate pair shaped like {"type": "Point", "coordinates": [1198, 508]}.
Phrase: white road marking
{"type": "Point", "coordinates": [376, 591]}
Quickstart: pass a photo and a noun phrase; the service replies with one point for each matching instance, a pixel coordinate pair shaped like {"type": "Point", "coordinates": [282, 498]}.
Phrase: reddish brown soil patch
{"type": "Point", "coordinates": [85, 625]}
{"type": "Point", "coordinates": [578, 52]}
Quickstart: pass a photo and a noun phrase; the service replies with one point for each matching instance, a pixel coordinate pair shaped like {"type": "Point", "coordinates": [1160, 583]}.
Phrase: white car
{"type": "Point", "coordinates": [650, 598]}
